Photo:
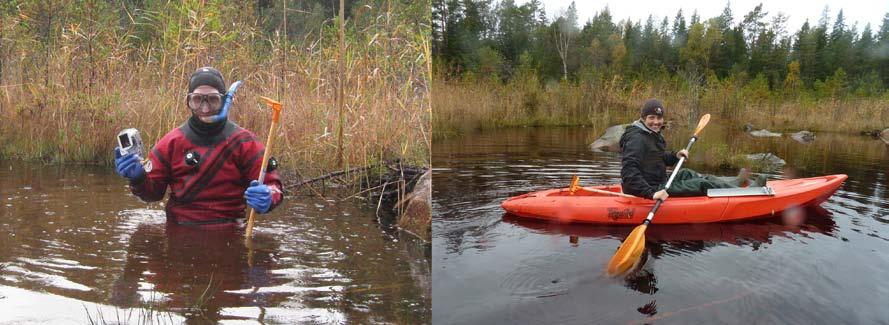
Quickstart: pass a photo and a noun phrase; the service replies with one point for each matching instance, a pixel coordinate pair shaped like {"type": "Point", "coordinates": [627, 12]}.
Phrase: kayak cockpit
{"type": "Point", "coordinates": [603, 191]}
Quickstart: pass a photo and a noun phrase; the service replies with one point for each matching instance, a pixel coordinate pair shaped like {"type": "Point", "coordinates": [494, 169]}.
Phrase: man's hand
{"type": "Point", "coordinates": [129, 165]}
{"type": "Point", "coordinates": [259, 197]}
{"type": "Point", "coordinates": [660, 195]}
{"type": "Point", "coordinates": [682, 153]}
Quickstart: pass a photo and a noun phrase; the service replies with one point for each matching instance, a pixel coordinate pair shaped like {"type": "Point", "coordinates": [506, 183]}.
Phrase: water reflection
{"type": "Point", "coordinates": [672, 239]}
{"type": "Point", "coordinates": [687, 238]}
{"type": "Point", "coordinates": [184, 267]}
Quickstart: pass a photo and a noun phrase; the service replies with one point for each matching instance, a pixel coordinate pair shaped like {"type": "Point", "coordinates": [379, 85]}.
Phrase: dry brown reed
{"type": "Point", "coordinates": [469, 103]}
{"type": "Point", "coordinates": [65, 103]}
{"type": "Point", "coordinates": [465, 105]}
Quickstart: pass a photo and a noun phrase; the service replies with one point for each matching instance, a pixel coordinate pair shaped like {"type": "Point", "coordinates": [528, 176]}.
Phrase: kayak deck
{"type": "Point", "coordinates": [607, 204]}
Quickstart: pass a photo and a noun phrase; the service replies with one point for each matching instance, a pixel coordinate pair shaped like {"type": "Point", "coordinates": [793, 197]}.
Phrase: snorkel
{"type": "Point", "coordinates": [227, 102]}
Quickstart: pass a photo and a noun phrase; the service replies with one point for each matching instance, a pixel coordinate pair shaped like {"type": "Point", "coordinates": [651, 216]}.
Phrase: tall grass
{"type": "Point", "coordinates": [68, 86]}
{"type": "Point", "coordinates": [471, 103]}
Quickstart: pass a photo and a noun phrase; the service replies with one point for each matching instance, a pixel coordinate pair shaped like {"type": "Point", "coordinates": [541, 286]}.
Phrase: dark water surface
{"type": "Point", "coordinates": [491, 268]}
{"type": "Point", "coordinates": [75, 246]}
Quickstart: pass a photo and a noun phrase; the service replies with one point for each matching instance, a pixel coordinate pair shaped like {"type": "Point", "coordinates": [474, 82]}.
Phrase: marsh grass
{"type": "Point", "coordinates": [199, 305]}
{"type": "Point", "coordinates": [149, 313]}
{"type": "Point", "coordinates": [469, 103]}
{"type": "Point", "coordinates": [67, 89]}
{"type": "Point", "coordinates": [466, 105]}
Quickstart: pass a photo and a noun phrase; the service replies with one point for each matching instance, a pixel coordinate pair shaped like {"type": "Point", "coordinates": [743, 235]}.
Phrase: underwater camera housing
{"type": "Point", "coordinates": [129, 142]}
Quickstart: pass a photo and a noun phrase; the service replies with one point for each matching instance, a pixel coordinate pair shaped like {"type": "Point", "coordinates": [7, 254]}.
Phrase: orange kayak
{"type": "Point", "coordinates": [593, 205]}
{"type": "Point", "coordinates": [815, 220]}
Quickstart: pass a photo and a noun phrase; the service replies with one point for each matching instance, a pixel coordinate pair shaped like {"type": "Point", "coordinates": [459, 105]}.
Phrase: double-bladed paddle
{"type": "Point", "coordinates": [631, 250]}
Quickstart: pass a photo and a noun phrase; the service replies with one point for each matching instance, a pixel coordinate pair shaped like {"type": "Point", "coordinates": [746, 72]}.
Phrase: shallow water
{"type": "Point", "coordinates": [76, 246]}
{"type": "Point", "coordinates": [488, 267]}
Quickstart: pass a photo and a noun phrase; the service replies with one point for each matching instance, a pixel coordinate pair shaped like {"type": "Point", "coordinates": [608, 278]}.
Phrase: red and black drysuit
{"type": "Point", "coordinates": [212, 190]}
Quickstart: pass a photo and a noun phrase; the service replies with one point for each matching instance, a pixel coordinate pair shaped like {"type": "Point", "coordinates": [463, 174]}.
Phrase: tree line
{"type": "Point", "coordinates": [502, 40]}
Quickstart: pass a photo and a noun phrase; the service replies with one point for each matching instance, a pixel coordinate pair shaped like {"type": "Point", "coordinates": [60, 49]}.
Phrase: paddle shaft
{"type": "Point", "coordinates": [265, 162]}
{"type": "Point", "coordinates": [657, 204]}
{"type": "Point", "coordinates": [595, 190]}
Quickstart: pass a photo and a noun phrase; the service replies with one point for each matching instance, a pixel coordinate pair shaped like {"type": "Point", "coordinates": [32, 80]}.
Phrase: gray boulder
{"type": "Point", "coordinates": [803, 136]}
{"type": "Point", "coordinates": [764, 133]}
{"type": "Point", "coordinates": [885, 136]}
{"type": "Point", "coordinates": [610, 141]}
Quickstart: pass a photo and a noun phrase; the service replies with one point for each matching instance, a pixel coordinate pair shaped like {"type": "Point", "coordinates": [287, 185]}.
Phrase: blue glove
{"type": "Point", "coordinates": [129, 166]}
{"type": "Point", "coordinates": [259, 197]}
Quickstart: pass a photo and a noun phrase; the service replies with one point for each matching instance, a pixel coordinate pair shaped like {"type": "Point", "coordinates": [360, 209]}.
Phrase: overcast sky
{"type": "Point", "coordinates": [860, 11]}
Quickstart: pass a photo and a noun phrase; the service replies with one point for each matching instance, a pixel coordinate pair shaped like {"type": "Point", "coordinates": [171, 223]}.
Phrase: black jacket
{"type": "Point", "coordinates": [644, 160]}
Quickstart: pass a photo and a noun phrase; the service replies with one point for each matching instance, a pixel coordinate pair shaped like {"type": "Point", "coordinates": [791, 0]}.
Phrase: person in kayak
{"type": "Point", "coordinates": [644, 162]}
{"type": "Point", "coordinates": [207, 163]}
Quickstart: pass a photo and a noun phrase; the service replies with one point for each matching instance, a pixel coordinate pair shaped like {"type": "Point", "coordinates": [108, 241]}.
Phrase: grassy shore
{"type": "Point", "coordinates": [67, 89]}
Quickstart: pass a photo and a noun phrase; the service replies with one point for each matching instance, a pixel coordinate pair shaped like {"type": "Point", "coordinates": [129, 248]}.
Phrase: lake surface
{"type": "Point", "coordinates": [493, 268]}
{"type": "Point", "coordinates": [76, 247]}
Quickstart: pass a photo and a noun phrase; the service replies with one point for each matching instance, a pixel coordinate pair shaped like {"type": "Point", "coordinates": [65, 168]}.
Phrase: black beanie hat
{"type": "Point", "coordinates": [652, 107]}
{"type": "Point", "coordinates": [206, 76]}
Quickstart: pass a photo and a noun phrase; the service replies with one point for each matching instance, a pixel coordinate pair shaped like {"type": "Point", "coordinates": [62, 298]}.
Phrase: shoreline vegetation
{"type": "Point", "coordinates": [490, 105]}
{"type": "Point", "coordinates": [462, 106]}
{"type": "Point", "coordinates": [500, 64]}
{"type": "Point", "coordinates": [74, 73]}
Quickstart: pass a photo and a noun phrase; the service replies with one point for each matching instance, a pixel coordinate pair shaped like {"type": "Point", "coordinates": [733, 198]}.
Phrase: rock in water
{"type": "Point", "coordinates": [764, 133]}
{"type": "Point", "coordinates": [610, 141]}
{"type": "Point", "coordinates": [803, 136]}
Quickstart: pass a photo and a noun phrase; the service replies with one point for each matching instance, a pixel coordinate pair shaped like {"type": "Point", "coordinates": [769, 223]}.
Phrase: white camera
{"type": "Point", "coordinates": [129, 142]}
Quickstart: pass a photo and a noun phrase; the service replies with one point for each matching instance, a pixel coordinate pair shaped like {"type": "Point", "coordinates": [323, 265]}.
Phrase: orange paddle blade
{"type": "Point", "coordinates": [629, 252]}
{"type": "Point", "coordinates": [702, 123]}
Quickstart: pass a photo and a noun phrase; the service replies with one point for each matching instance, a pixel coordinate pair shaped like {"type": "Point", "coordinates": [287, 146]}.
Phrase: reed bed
{"type": "Point", "coordinates": [72, 78]}
{"type": "Point", "coordinates": [469, 104]}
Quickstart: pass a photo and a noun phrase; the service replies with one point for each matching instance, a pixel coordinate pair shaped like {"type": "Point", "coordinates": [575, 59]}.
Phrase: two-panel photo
{"type": "Point", "coordinates": [444, 162]}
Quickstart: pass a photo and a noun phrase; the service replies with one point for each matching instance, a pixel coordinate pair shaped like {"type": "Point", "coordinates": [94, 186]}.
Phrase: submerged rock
{"type": "Point", "coordinates": [610, 141]}
{"type": "Point", "coordinates": [803, 136]}
{"type": "Point", "coordinates": [766, 161]}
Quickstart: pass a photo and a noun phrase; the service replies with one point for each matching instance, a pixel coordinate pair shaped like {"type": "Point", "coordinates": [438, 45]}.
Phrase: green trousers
{"type": "Point", "coordinates": [692, 183]}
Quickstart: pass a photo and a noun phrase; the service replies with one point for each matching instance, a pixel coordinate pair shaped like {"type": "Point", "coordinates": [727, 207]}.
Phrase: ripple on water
{"type": "Point", "coordinates": [56, 263]}
{"type": "Point", "coordinates": [23, 274]}
{"type": "Point", "coordinates": [286, 288]}
{"type": "Point", "coordinates": [538, 277]}
{"type": "Point", "coordinates": [289, 315]}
